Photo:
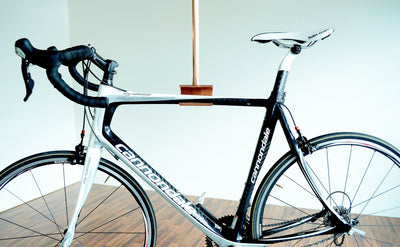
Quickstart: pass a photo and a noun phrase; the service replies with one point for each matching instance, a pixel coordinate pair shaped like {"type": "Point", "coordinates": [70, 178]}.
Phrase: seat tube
{"type": "Point", "coordinates": [278, 92]}
{"type": "Point", "coordinates": [264, 140]}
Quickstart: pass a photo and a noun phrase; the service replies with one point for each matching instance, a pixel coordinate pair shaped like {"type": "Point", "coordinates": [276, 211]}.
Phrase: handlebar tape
{"type": "Point", "coordinates": [51, 60]}
{"type": "Point", "coordinates": [75, 74]}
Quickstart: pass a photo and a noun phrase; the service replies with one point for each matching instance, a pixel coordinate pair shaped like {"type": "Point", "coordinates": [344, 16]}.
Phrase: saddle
{"type": "Point", "coordinates": [290, 39]}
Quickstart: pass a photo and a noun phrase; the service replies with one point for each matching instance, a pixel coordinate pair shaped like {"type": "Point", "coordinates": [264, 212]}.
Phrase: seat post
{"type": "Point", "coordinates": [283, 72]}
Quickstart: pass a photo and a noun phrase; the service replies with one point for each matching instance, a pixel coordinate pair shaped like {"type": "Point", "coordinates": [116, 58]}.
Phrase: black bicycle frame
{"type": "Point", "coordinates": [273, 114]}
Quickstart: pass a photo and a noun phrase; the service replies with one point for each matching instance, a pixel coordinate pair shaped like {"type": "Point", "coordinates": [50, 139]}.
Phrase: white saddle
{"type": "Point", "coordinates": [290, 39]}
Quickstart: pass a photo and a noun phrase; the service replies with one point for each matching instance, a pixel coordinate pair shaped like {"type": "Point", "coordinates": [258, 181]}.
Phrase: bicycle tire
{"type": "Point", "coordinates": [358, 174]}
{"type": "Point", "coordinates": [41, 191]}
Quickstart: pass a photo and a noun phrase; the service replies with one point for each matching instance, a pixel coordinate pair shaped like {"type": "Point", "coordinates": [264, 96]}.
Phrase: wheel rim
{"type": "Point", "coordinates": [344, 171]}
{"type": "Point", "coordinates": [42, 200]}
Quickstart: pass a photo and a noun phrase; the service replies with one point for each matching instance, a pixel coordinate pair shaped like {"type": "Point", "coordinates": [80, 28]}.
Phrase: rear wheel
{"type": "Point", "coordinates": [38, 196]}
{"type": "Point", "coordinates": [358, 175]}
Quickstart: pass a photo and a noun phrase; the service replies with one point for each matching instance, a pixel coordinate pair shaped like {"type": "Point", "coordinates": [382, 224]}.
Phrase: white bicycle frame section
{"type": "Point", "coordinates": [98, 141]}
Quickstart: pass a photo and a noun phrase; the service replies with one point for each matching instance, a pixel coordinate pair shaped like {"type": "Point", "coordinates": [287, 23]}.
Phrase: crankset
{"type": "Point", "coordinates": [225, 222]}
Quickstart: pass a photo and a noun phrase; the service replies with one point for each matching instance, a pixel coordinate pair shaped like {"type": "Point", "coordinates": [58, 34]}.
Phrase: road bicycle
{"type": "Point", "coordinates": [338, 189]}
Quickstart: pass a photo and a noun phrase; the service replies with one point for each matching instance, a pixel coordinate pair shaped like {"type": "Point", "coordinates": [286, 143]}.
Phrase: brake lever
{"type": "Point", "coordinates": [29, 82]}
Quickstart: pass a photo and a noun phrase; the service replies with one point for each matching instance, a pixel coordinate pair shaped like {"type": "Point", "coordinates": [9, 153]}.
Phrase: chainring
{"type": "Point", "coordinates": [224, 221]}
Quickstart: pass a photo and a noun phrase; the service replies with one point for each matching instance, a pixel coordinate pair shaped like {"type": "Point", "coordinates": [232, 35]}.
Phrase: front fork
{"type": "Point", "coordinates": [88, 175]}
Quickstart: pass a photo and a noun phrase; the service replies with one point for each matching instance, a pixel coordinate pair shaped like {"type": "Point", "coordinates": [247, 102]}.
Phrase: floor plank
{"type": "Point", "coordinates": [173, 228]}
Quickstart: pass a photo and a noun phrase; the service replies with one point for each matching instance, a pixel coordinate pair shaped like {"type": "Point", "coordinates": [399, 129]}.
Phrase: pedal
{"type": "Point", "coordinates": [201, 199]}
{"type": "Point", "coordinates": [355, 230]}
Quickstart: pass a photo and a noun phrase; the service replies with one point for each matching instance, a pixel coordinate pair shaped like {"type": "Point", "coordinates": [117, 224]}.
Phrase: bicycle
{"type": "Point", "coordinates": [345, 184]}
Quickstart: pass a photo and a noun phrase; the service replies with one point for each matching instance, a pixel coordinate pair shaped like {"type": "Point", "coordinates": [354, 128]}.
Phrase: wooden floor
{"type": "Point", "coordinates": [173, 229]}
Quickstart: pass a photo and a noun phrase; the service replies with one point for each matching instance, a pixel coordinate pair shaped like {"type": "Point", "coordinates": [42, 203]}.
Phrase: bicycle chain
{"type": "Point", "coordinates": [299, 219]}
{"type": "Point", "coordinates": [291, 221]}
{"type": "Point", "coordinates": [210, 243]}
{"type": "Point", "coordinates": [327, 239]}
{"type": "Point", "coordinates": [319, 242]}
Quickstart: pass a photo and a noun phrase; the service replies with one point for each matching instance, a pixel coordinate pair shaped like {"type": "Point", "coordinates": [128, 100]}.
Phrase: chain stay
{"type": "Point", "coordinates": [335, 237]}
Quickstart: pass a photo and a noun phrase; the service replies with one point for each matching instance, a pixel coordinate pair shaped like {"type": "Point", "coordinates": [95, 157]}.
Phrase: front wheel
{"type": "Point", "coordinates": [357, 174]}
{"type": "Point", "coordinates": [38, 195]}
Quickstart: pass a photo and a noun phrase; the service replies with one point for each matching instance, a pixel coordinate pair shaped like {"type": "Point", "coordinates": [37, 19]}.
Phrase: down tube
{"type": "Point", "coordinates": [161, 185]}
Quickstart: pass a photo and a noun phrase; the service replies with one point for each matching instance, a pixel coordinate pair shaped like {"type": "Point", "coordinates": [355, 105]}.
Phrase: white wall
{"type": "Point", "coordinates": [346, 82]}
{"type": "Point", "coordinates": [46, 121]}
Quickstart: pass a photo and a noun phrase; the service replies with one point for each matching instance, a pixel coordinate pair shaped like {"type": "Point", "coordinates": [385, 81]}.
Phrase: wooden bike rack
{"type": "Point", "coordinates": [196, 88]}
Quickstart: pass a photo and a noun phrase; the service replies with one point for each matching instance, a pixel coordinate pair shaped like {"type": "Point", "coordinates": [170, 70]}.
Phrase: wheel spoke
{"type": "Point", "coordinates": [302, 187]}
{"type": "Point", "coordinates": [38, 234]}
{"type": "Point", "coordinates": [329, 174]}
{"type": "Point", "coordinates": [373, 194]}
{"type": "Point", "coordinates": [359, 174]}
{"type": "Point", "coordinates": [65, 194]}
{"type": "Point", "coordinates": [114, 210]}
{"type": "Point", "coordinates": [120, 233]}
{"type": "Point", "coordinates": [107, 222]}
{"type": "Point", "coordinates": [289, 205]}
{"type": "Point", "coordinates": [320, 182]}
{"type": "Point", "coordinates": [381, 211]}
{"type": "Point", "coordinates": [347, 174]}
{"type": "Point", "coordinates": [363, 176]}
{"type": "Point", "coordinates": [99, 204]}
{"type": "Point", "coordinates": [377, 240]}
{"type": "Point", "coordinates": [30, 206]}
{"type": "Point", "coordinates": [45, 202]}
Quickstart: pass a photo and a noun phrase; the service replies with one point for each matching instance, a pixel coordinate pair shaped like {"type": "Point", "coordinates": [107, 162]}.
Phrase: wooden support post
{"type": "Point", "coordinates": [196, 88]}
{"type": "Point", "coordinates": [195, 40]}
